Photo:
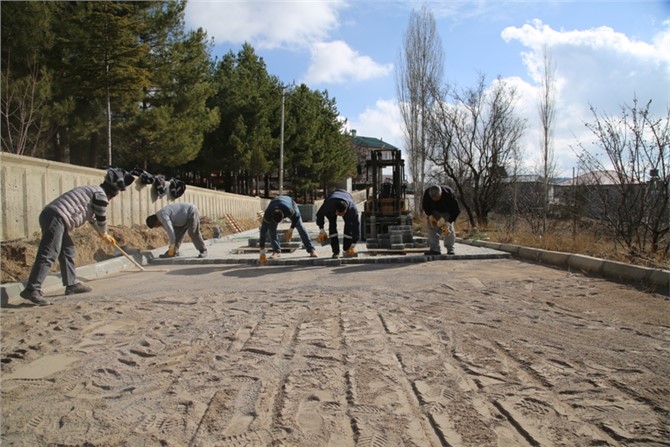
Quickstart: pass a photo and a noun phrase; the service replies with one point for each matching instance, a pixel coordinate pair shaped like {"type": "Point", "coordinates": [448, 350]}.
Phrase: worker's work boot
{"type": "Point", "coordinates": [34, 296]}
{"type": "Point", "coordinates": [77, 288]}
{"type": "Point", "coordinates": [432, 253]}
{"type": "Point", "coordinates": [167, 255]}
{"type": "Point", "coordinates": [203, 254]}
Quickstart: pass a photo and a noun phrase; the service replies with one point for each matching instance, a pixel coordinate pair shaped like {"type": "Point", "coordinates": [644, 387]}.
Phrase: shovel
{"type": "Point", "coordinates": [130, 258]}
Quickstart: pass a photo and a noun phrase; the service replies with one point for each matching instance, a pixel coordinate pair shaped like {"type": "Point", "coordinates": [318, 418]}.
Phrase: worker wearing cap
{"type": "Point", "coordinates": [65, 213]}
{"type": "Point", "coordinates": [279, 208]}
{"type": "Point", "coordinates": [339, 203]}
{"type": "Point", "coordinates": [177, 219]}
{"type": "Point", "coordinates": [441, 208]}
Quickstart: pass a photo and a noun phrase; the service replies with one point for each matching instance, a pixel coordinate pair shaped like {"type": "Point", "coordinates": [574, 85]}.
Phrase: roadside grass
{"type": "Point", "coordinates": [584, 238]}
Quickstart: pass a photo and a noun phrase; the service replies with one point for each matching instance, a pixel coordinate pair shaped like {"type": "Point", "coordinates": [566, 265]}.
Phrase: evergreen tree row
{"type": "Point", "coordinates": [123, 83]}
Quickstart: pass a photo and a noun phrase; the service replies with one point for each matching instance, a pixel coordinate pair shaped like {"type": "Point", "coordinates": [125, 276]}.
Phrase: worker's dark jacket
{"type": "Point", "coordinates": [352, 227]}
{"type": "Point", "coordinates": [446, 207]}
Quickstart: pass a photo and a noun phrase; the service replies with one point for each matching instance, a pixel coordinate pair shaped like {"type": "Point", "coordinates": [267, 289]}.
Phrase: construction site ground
{"type": "Point", "coordinates": [476, 349]}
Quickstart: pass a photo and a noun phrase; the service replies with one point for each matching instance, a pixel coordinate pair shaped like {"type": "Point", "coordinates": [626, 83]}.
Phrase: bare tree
{"type": "Point", "coordinates": [631, 200]}
{"type": "Point", "coordinates": [22, 110]}
{"type": "Point", "coordinates": [476, 138]}
{"type": "Point", "coordinates": [419, 71]}
{"type": "Point", "coordinates": [547, 112]}
{"type": "Point", "coordinates": [532, 194]}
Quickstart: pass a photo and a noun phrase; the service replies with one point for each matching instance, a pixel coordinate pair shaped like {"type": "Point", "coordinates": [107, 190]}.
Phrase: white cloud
{"type": "Point", "coordinates": [382, 121]}
{"type": "Point", "coordinates": [294, 25]}
{"type": "Point", "coordinates": [265, 24]}
{"type": "Point", "coordinates": [596, 67]}
{"type": "Point", "coordinates": [335, 62]}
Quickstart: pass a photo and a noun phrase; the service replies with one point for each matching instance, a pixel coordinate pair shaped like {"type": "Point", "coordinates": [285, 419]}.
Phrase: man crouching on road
{"type": "Point", "coordinates": [176, 219]}
{"type": "Point", "coordinates": [441, 208]}
{"type": "Point", "coordinates": [279, 208]}
{"type": "Point", "coordinates": [339, 203]}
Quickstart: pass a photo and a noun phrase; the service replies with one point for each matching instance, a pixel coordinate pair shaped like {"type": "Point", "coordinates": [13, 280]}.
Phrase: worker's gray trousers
{"type": "Point", "coordinates": [193, 228]}
{"type": "Point", "coordinates": [56, 243]}
{"type": "Point", "coordinates": [434, 237]}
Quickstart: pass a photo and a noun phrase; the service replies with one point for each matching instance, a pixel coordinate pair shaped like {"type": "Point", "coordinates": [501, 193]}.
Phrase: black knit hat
{"type": "Point", "coordinates": [151, 221]}
{"type": "Point", "coordinates": [111, 191]}
{"type": "Point", "coordinates": [341, 206]}
{"type": "Point", "coordinates": [277, 215]}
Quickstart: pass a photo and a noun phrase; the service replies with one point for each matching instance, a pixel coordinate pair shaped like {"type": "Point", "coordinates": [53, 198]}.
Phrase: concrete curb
{"type": "Point", "coordinates": [406, 259]}
{"type": "Point", "coordinates": [657, 280]}
{"type": "Point", "coordinates": [651, 279]}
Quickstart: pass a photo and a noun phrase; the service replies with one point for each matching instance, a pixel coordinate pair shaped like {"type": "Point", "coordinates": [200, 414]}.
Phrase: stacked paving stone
{"type": "Point", "coordinates": [399, 237]}
{"type": "Point", "coordinates": [286, 245]}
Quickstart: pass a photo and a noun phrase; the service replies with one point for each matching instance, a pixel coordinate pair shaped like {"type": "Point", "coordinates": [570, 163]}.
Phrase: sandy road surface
{"type": "Point", "coordinates": [471, 353]}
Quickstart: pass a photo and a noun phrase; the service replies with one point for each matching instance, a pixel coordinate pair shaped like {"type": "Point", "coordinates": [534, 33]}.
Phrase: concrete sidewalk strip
{"type": "Point", "coordinates": [235, 249]}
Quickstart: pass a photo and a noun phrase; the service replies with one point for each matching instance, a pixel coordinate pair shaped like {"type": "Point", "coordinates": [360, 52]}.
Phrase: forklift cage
{"type": "Point", "coordinates": [386, 203]}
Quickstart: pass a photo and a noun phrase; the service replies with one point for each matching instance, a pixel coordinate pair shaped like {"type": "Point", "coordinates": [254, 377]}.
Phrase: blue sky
{"type": "Point", "coordinates": [604, 53]}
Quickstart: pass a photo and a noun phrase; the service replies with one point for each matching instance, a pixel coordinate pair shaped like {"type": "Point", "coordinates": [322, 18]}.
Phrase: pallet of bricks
{"type": "Point", "coordinates": [287, 246]}
{"type": "Point", "coordinates": [398, 240]}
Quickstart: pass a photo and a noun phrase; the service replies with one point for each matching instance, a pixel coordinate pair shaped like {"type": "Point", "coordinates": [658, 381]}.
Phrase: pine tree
{"type": "Point", "coordinates": [168, 129]}
{"type": "Point", "coordinates": [243, 142]}
{"type": "Point", "coordinates": [97, 57]}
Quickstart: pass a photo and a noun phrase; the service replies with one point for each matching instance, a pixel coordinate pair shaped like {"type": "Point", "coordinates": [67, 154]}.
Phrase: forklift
{"type": "Point", "coordinates": [386, 208]}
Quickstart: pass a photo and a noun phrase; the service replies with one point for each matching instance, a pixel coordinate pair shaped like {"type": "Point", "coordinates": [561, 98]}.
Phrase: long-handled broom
{"type": "Point", "coordinates": [130, 258]}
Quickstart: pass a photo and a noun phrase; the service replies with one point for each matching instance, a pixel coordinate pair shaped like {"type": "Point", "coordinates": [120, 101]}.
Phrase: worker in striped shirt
{"type": "Point", "coordinates": [65, 213]}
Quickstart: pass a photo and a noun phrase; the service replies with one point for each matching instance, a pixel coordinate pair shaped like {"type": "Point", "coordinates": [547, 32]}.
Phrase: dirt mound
{"type": "Point", "coordinates": [17, 257]}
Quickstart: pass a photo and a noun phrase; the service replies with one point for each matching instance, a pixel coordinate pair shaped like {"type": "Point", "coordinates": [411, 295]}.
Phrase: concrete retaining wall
{"type": "Point", "coordinates": [655, 279]}
{"type": "Point", "coordinates": [27, 184]}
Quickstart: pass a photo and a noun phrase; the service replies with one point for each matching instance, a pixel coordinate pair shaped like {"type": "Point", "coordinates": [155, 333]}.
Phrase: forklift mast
{"type": "Point", "coordinates": [386, 203]}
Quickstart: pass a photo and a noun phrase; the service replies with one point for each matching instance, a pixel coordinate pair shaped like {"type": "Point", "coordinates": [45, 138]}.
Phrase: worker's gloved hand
{"type": "Point", "coordinates": [262, 258]}
{"type": "Point", "coordinates": [351, 252]}
{"type": "Point", "coordinates": [288, 234]}
{"type": "Point", "coordinates": [432, 221]}
{"type": "Point", "coordinates": [442, 224]}
{"type": "Point", "coordinates": [322, 236]}
{"type": "Point", "coordinates": [108, 239]}
{"type": "Point", "coordinates": [171, 253]}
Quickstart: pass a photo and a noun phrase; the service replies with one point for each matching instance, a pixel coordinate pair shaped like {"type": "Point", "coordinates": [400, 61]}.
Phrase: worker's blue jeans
{"type": "Point", "coordinates": [302, 231]}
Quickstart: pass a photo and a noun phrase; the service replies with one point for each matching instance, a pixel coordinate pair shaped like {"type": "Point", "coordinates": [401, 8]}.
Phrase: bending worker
{"type": "Point", "coordinates": [279, 208]}
{"type": "Point", "coordinates": [176, 219]}
{"type": "Point", "coordinates": [339, 203]}
{"type": "Point", "coordinates": [65, 213]}
{"type": "Point", "coordinates": [441, 208]}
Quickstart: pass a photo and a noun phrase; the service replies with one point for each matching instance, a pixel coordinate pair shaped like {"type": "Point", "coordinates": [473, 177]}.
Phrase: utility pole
{"type": "Point", "coordinates": [281, 146]}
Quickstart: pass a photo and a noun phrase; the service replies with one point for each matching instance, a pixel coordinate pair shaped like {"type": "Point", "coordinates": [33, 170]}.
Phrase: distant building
{"type": "Point", "coordinates": [362, 147]}
{"type": "Point", "coordinates": [592, 178]}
